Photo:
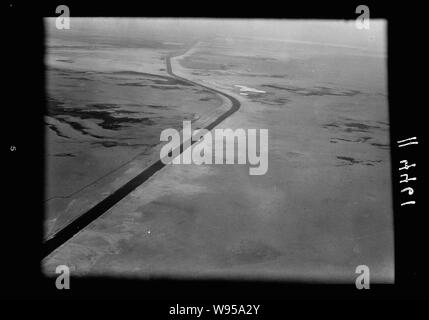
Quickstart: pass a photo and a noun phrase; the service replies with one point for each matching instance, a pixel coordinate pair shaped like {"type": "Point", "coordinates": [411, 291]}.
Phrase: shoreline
{"type": "Point", "coordinates": [61, 236]}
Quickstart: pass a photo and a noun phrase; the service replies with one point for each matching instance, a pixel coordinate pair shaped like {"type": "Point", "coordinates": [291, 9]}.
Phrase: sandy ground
{"type": "Point", "coordinates": [323, 208]}
{"type": "Point", "coordinates": [104, 119]}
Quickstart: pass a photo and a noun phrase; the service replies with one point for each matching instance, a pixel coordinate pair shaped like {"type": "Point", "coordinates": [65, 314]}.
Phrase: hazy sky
{"type": "Point", "coordinates": [325, 31]}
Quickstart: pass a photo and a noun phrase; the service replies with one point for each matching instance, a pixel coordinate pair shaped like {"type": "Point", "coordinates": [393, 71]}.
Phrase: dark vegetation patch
{"type": "Point", "coordinates": [353, 126]}
{"type": "Point", "coordinates": [80, 78]}
{"type": "Point", "coordinates": [131, 73]}
{"type": "Point", "coordinates": [127, 111]}
{"type": "Point", "coordinates": [333, 125]}
{"type": "Point", "coordinates": [316, 91]}
{"type": "Point", "coordinates": [77, 126]}
{"type": "Point", "coordinates": [359, 126]}
{"type": "Point", "coordinates": [66, 60]}
{"type": "Point", "coordinates": [165, 87]}
{"type": "Point", "coordinates": [349, 160]}
{"type": "Point", "coordinates": [278, 76]}
{"type": "Point", "coordinates": [360, 139]}
{"type": "Point", "coordinates": [132, 84]}
{"type": "Point", "coordinates": [155, 106]}
{"type": "Point", "coordinates": [65, 71]}
{"type": "Point", "coordinates": [57, 131]}
{"type": "Point", "coordinates": [352, 161]}
{"type": "Point", "coordinates": [166, 83]}
{"type": "Point", "coordinates": [103, 106]}
{"type": "Point", "coordinates": [97, 111]}
{"type": "Point", "coordinates": [111, 144]}
{"type": "Point", "coordinates": [383, 123]}
{"type": "Point", "coordinates": [380, 145]}
{"type": "Point", "coordinates": [64, 155]}
{"type": "Point", "coordinates": [350, 127]}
